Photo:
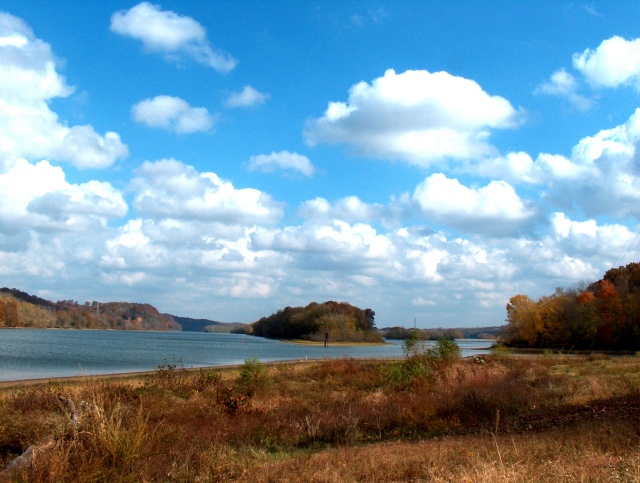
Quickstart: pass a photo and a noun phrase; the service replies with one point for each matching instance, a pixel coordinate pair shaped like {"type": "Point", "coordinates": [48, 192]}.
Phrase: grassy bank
{"type": "Point", "coordinates": [547, 418]}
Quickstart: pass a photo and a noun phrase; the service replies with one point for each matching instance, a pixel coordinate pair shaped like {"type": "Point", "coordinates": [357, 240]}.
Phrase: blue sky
{"type": "Point", "coordinates": [226, 159]}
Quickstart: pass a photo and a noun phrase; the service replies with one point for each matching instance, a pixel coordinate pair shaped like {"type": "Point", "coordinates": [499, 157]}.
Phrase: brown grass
{"type": "Point", "coordinates": [551, 418]}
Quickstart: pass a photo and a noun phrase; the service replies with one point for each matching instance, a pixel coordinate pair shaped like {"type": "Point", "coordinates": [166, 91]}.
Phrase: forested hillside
{"type": "Point", "coordinates": [341, 320]}
{"type": "Point", "coordinates": [19, 309]}
{"type": "Point", "coordinates": [604, 315]}
{"type": "Point", "coordinates": [205, 325]}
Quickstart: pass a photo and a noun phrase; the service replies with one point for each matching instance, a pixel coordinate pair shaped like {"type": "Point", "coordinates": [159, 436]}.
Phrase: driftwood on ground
{"type": "Point", "coordinates": [27, 459]}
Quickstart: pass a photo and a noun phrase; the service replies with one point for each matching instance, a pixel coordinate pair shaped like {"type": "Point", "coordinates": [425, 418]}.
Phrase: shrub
{"type": "Point", "coordinates": [500, 351]}
{"type": "Point", "coordinates": [169, 374]}
{"type": "Point", "coordinates": [253, 376]}
{"type": "Point", "coordinates": [408, 373]}
{"type": "Point", "coordinates": [445, 350]}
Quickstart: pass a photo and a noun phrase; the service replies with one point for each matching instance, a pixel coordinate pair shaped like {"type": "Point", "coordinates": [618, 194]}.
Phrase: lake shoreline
{"type": "Point", "coordinates": [44, 354]}
{"type": "Point", "coordinates": [133, 376]}
{"type": "Point", "coordinates": [332, 344]}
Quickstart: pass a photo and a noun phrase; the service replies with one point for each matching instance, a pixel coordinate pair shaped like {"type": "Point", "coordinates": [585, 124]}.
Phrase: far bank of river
{"type": "Point", "coordinates": [41, 353]}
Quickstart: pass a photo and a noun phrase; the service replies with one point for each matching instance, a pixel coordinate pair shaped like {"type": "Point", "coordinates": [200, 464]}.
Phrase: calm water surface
{"type": "Point", "coordinates": [42, 353]}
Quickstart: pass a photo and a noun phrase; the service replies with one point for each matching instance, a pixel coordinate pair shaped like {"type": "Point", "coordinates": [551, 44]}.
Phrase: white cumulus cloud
{"type": "Point", "coordinates": [172, 113]}
{"type": "Point", "coordinates": [520, 168]}
{"type": "Point", "coordinates": [350, 208]}
{"type": "Point", "coordinates": [607, 180]}
{"type": "Point", "coordinates": [495, 208]}
{"type": "Point", "coordinates": [417, 116]}
{"type": "Point", "coordinates": [166, 32]}
{"type": "Point", "coordinates": [616, 61]}
{"type": "Point", "coordinates": [171, 189]}
{"type": "Point", "coordinates": [28, 126]}
{"type": "Point", "coordinates": [282, 160]}
{"type": "Point", "coordinates": [38, 197]}
{"type": "Point", "coordinates": [600, 177]}
{"type": "Point", "coordinates": [249, 96]}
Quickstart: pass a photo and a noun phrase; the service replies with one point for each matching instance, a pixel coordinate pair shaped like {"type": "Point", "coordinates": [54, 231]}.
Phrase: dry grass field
{"type": "Point", "coordinates": [499, 418]}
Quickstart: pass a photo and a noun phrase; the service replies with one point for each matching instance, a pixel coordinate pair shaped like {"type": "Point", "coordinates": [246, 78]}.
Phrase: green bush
{"type": "Point", "coordinates": [420, 360]}
{"type": "Point", "coordinates": [253, 376]}
{"type": "Point", "coordinates": [499, 351]}
{"type": "Point", "coordinates": [445, 350]}
{"type": "Point", "coordinates": [408, 373]}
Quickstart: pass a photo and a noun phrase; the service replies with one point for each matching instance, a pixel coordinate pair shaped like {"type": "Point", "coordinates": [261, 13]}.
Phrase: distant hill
{"type": "Point", "coordinates": [192, 325]}
{"type": "Point", "coordinates": [25, 297]}
{"type": "Point", "coordinates": [204, 325]}
{"type": "Point", "coordinates": [20, 309]}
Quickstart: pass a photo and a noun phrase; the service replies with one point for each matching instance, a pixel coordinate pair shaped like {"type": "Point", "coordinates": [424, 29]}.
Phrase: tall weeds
{"type": "Point", "coordinates": [258, 421]}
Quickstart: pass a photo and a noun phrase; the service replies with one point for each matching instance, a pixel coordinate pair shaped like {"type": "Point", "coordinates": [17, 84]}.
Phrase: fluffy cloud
{"type": "Point", "coordinates": [563, 84]}
{"type": "Point", "coordinates": [199, 237]}
{"type": "Point", "coordinates": [248, 97]}
{"type": "Point", "coordinates": [212, 261]}
{"type": "Point", "coordinates": [282, 160]}
{"type": "Point", "coordinates": [170, 189]}
{"type": "Point", "coordinates": [521, 168]}
{"type": "Point", "coordinates": [173, 114]}
{"type": "Point", "coordinates": [335, 246]}
{"type": "Point", "coordinates": [28, 127]}
{"type": "Point", "coordinates": [171, 34]}
{"type": "Point", "coordinates": [610, 184]}
{"type": "Point", "coordinates": [132, 247]}
{"type": "Point", "coordinates": [564, 227]}
{"type": "Point", "coordinates": [586, 241]}
{"type": "Point", "coordinates": [353, 209]}
{"type": "Point", "coordinates": [417, 116]}
{"type": "Point", "coordinates": [37, 197]}
{"type": "Point", "coordinates": [616, 61]}
{"type": "Point", "coordinates": [601, 177]}
{"type": "Point", "coordinates": [350, 208]}
{"type": "Point", "coordinates": [495, 208]}
{"type": "Point", "coordinates": [27, 66]}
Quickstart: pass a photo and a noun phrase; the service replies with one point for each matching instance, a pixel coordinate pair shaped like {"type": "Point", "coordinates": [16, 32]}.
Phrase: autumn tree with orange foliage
{"type": "Point", "coordinates": [605, 315]}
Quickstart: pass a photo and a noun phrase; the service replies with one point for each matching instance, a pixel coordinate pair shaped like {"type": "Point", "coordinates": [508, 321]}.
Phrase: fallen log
{"type": "Point", "coordinates": [28, 459]}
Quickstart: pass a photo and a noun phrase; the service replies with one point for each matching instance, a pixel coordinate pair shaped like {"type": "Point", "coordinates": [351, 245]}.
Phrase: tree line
{"type": "Point", "coordinates": [341, 320]}
{"type": "Point", "coordinates": [20, 309]}
{"type": "Point", "coordinates": [402, 333]}
{"type": "Point", "coordinates": [605, 315]}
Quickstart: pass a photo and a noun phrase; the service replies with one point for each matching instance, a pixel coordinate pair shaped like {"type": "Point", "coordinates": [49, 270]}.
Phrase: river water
{"type": "Point", "coordinates": [46, 353]}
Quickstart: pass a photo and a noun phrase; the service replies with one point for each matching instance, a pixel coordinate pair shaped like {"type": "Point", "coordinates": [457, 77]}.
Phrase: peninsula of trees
{"type": "Point", "coordinates": [605, 315]}
{"type": "Point", "coordinates": [342, 321]}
